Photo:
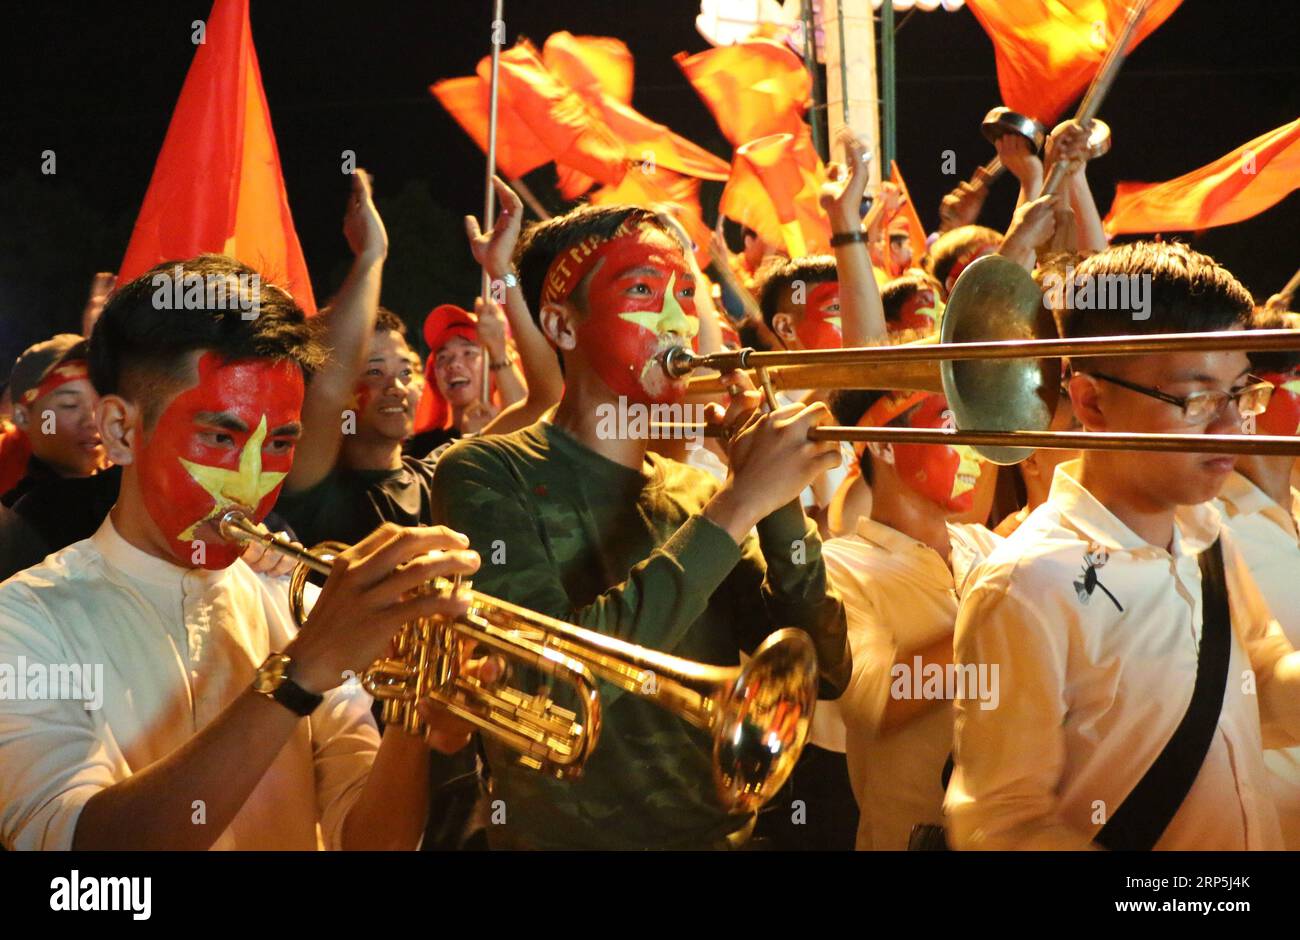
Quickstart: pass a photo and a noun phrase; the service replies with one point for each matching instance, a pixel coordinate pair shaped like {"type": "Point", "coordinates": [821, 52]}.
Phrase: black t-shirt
{"type": "Point", "coordinates": [347, 505]}
{"type": "Point", "coordinates": [53, 513]}
{"type": "Point", "coordinates": [423, 444]}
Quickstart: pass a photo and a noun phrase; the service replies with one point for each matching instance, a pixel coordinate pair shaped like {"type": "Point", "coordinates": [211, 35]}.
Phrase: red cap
{"type": "Point", "coordinates": [446, 321]}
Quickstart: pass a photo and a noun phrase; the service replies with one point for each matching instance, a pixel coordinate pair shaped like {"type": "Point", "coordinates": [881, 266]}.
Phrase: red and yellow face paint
{"type": "Point", "coordinates": [1282, 417]}
{"type": "Point", "coordinates": [920, 313]}
{"type": "Point", "coordinates": [639, 301]}
{"type": "Point", "coordinates": [820, 327]}
{"type": "Point", "coordinates": [228, 441]}
{"type": "Point", "coordinates": [944, 475]}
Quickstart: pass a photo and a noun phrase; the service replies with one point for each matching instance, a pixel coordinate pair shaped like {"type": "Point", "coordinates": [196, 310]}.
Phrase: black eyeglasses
{"type": "Point", "coordinates": [1204, 406]}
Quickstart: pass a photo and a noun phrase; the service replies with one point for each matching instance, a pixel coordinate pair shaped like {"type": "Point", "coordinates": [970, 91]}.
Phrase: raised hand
{"type": "Point", "coordinates": [841, 195]}
{"type": "Point", "coordinates": [1068, 142]}
{"type": "Point", "coordinates": [1032, 225]}
{"type": "Point", "coordinates": [362, 226]}
{"type": "Point", "coordinates": [491, 327]}
{"type": "Point", "coordinates": [493, 249]}
{"type": "Point", "coordinates": [962, 206]}
{"type": "Point", "coordinates": [1018, 156]}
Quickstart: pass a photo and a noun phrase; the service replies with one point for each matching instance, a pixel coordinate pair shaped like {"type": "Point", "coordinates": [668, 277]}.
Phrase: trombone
{"type": "Point", "coordinates": [997, 361]}
{"type": "Point", "coordinates": [759, 714]}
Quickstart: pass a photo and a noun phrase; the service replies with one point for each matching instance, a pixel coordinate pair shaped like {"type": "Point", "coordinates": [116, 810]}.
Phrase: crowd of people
{"type": "Point", "coordinates": [1004, 653]}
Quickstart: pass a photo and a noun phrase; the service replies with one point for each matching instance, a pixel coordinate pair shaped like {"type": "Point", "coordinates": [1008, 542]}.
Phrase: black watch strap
{"type": "Point", "coordinates": [295, 698]}
{"type": "Point", "coordinates": [847, 238]}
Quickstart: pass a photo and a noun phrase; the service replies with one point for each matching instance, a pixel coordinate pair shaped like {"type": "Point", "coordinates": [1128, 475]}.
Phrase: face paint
{"type": "Point", "coordinates": [963, 262]}
{"type": "Point", "coordinates": [921, 312]}
{"type": "Point", "coordinates": [944, 475]}
{"type": "Point", "coordinates": [1283, 414]}
{"type": "Point", "coordinates": [819, 327]}
{"type": "Point", "coordinates": [639, 303]}
{"type": "Point", "coordinates": [214, 447]}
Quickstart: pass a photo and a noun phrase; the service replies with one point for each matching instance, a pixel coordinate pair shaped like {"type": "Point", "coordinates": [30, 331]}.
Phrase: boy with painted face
{"type": "Point", "coordinates": [901, 572]}
{"type": "Point", "coordinates": [54, 405]}
{"type": "Point", "coordinates": [1093, 610]}
{"type": "Point", "coordinates": [202, 409]}
{"type": "Point", "coordinates": [590, 527]}
{"type": "Point", "coordinates": [1261, 509]}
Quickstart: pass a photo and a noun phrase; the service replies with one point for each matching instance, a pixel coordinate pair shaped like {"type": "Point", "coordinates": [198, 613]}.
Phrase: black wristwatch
{"type": "Point", "coordinates": [273, 681]}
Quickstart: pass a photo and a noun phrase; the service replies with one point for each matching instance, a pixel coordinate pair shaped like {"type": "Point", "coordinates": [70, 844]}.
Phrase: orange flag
{"type": "Point", "coordinates": [217, 185]}
{"type": "Point", "coordinates": [1049, 50]}
{"type": "Point", "coordinates": [753, 88]}
{"type": "Point", "coordinates": [774, 185]}
{"type": "Point", "coordinates": [1237, 186]}
{"type": "Point", "coordinates": [574, 135]}
{"type": "Point", "coordinates": [467, 101]}
{"type": "Point", "coordinates": [910, 218]}
{"type": "Point", "coordinates": [589, 65]}
{"type": "Point", "coordinates": [651, 190]}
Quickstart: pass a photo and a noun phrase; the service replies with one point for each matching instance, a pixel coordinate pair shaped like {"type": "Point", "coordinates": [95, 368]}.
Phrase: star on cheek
{"type": "Point", "coordinates": [670, 318]}
{"type": "Point", "coordinates": [246, 486]}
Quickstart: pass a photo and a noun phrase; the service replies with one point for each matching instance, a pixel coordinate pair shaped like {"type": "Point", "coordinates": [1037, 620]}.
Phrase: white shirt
{"type": "Point", "coordinates": [176, 646]}
{"type": "Point", "coordinates": [899, 595]}
{"type": "Point", "coordinates": [1090, 695]}
{"type": "Point", "coordinates": [1265, 534]}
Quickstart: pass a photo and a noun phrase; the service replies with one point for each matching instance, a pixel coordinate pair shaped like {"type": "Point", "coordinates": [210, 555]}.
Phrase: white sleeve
{"type": "Point", "coordinates": [1272, 658]}
{"type": "Point", "coordinates": [345, 740]}
{"type": "Point", "coordinates": [52, 758]}
{"type": "Point", "coordinates": [1009, 758]}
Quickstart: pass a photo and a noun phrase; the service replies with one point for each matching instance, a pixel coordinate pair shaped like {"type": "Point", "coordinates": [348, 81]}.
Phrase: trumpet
{"type": "Point", "coordinates": [759, 714]}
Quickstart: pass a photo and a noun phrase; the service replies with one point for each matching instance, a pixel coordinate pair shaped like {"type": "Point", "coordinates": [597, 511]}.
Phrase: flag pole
{"type": "Point", "coordinates": [816, 118]}
{"type": "Point", "coordinates": [888, 141]}
{"type": "Point", "coordinates": [489, 192]}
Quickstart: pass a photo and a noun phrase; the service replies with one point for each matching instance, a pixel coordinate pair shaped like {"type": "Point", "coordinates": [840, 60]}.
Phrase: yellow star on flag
{"type": "Point", "coordinates": [670, 318]}
{"type": "Point", "coordinates": [246, 486]}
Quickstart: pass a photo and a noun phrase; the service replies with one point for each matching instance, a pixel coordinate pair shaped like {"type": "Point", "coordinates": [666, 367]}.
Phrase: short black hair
{"type": "Point", "coordinates": [386, 320]}
{"type": "Point", "coordinates": [951, 245]}
{"type": "Point", "coordinates": [895, 295]}
{"type": "Point", "coordinates": [542, 242]}
{"type": "Point", "coordinates": [140, 344]}
{"type": "Point", "coordinates": [775, 282]}
{"type": "Point", "coordinates": [1188, 292]}
{"type": "Point", "coordinates": [1281, 361]}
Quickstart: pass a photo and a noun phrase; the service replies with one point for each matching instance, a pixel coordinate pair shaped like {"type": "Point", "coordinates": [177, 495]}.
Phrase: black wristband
{"type": "Point", "coordinates": [848, 238]}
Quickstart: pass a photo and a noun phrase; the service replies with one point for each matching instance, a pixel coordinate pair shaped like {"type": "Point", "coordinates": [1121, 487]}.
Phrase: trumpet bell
{"type": "Point", "coordinates": [995, 299]}
{"type": "Point", "coordinates": [765, 721]}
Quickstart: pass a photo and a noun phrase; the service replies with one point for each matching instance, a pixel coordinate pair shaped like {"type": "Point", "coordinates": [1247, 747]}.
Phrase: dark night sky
{"type": "Point", "coordinates": [96, 82]}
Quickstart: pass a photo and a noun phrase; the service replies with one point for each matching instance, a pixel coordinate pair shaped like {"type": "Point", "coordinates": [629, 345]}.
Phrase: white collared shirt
{"type": "Point", "coordinates": [1090, 694]}
{"type": "Point", "coordinates": [176, 646]}
{"type": "Point", "coordinates": [1265, 534]}
{"type": "Point", "coordinates": [899, 595]}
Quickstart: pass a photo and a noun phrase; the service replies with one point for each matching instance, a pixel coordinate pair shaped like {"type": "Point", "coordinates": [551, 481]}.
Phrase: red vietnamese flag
{"type": "Point", "coordinates": [1049, 50]}
{"type": "Point", "coordinates": [217, 186]}
{"type": "Point", "coordinates": [467, 101]}
{"type": "Point", "coordinates": [569, 129]}
{"type": "Point", "coordinates": [774, 187]}
{"type": "Point", "coordinates": [1236, 186]}
{"type": "Point", "coordinates": [591, 66]}
{"type": "Point", "coordinates": [753, 88]}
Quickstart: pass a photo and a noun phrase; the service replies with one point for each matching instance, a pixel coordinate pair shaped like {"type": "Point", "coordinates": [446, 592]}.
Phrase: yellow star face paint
{"type": "Point", "coordinates": [226, 441]}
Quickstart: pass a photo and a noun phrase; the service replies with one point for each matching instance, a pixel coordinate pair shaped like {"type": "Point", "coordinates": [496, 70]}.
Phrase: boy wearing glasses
{"type": "Point", "coordinates": [1092, 610]}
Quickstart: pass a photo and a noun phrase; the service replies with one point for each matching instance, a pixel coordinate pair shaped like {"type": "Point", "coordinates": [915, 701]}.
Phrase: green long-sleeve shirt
{"type": "Point", "coordinates": [566, 532]}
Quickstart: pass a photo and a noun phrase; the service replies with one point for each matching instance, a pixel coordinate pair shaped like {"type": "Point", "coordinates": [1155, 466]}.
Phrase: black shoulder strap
{"type": "Point", "coordinates": [1143, 817]}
